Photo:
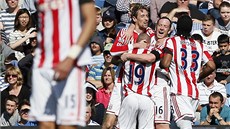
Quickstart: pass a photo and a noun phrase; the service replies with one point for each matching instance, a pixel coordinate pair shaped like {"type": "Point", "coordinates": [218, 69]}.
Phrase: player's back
{"type": "Point", "coordinates": [59, 28]}
{"type": "Point", "coordinates": [139, 77]}
{"type": "Point", "coordinates": [186, 64]}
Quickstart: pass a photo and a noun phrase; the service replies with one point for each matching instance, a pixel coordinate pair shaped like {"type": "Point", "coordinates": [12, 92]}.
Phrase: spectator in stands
{"type": "Point", "coordinates": [5, 51]}
{"type": "Point", "coordinates": [223, 23]}
{"type": "Point", "coordinates": [10, 116]}
{"type": "Point", "coordinates": [172, 10]}
{"type": "Point", "coordinates": [222, 61]}
{"type": "Point", "coordinates": [109, 22]}
{"type": "Point", "coordinates": [107, 78]}
{"type": "Point", "coordinates": [215, 113]}
{"type": "Point", "coordinates": [207, 87]}
{"type": "Point", "coordinates": [209, 34]}
{"type": "Point", "coordinates": [7, 17]}
{"type": "Point", "coordinates": [155, 7]}
{"type": "Point", "coordinates": [24, 108]}
{"type": "Point", "coordinates": [89, 112]}
{"type": "Point", "coordinates": [99, 18]}
{"type": "Point", "coordinates": [91, 100]}
{"type": "Point", "coordinates": [23, 32]}
{"type": "Point", "coordinates": [96, 70]}
{"type": "Point", "coordinates": [14, 77]}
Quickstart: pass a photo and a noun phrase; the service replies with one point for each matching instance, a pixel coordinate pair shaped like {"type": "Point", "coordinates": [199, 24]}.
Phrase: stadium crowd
{"type": "Point", "coordinates": [112, 46]}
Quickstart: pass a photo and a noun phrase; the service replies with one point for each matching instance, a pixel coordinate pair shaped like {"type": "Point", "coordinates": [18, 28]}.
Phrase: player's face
{"type": "Point", "coordinates": [12, 3]}
{"type": "Point", "coordinates": [210, 78]}
{"type": "Point", "coordinates": [11, 106]}
{"type": "Point", "coordinates": [108, 78]}
{"type": "Point", "coordinates": [215, 102]}
{"type": "Point", "coordinates": [24, 112]}
{"type": "Point", "coordinates": [208, 27]}
{"type": "Point", "coordinates": [225, 14]}
{"type": "Point", "coordinates": [224, 46]}
{"type": "Point", "coordinates": [12, 79]}
{"type": "Point", "coordinates": [162, 28]}
{"type": "Point", "coordinates": [23, 19]}
{"type": "Point", "coordinates": [142, 19]}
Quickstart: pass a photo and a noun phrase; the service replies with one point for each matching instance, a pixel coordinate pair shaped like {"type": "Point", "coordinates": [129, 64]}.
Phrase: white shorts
{"type": "Point", "coordinates": [63, 102]}
{"type": "Point", "coordinates": [161, 96]}
{"type": "Point", "coordinates": [183, 107]}
{"type": "Point", "coordinates": [136, 107]}
{"type": "Point", "coordinates": [115, 100]}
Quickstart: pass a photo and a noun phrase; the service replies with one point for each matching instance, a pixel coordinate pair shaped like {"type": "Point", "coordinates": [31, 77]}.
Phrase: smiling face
{"type": "Point", "coordinates": [23, 19]}
{"type": "Point", "coordinates": [11, 106]}
{"type": "Point", "coordinates": [142, 19]}
{"type": "Point", "coordinates": [12, 3]}
{"type": "Point", "coordinates": [162, 28]}
{"type": "Point", "coordinates": [24, 112]}
{"type": "Point", "coordinates": [12, 78]}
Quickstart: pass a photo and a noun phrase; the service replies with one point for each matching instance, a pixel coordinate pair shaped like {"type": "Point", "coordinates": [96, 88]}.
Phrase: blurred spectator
{"type": "Point", "coordinates": [4, 52]}
{"type": "Point", "coordinates": [197, 37]}
{"type": "Point", "coordinates": [176, 9]}
{"type": "Point", "coordinates": [209, 34]}
{"type": "Point", "coordinates": [99, 19]}
{"type": "Point", "coordinates": [23, 32]}
{"type": "Point", "coordinates": [155, 7]}
{"type": "Point", "coordinates": [10, 116]}
{"type": "Point", "coordinates": [89, 111]}
{"type": "Point", "coordinates": [107, 78]}
{"type": "Point", "coordinates": [223, 23]}
{"type": "Point", "coordinates": [215, 113]}
{"type": "Point", "coordinates": [109, 22]}
{"type": "Point", "coordinates": [14, 77]}
{"type": "Point", "coordinates": [124, 6]}
{"type": "Point", "coordinates": [7, 17]}
{"type": "Point", "coordinates": [24, 108]}
{"type": "Point", "coordinates": [91, 100]}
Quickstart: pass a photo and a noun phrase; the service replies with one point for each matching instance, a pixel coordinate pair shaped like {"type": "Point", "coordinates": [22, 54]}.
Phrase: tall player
{"type": "Point", "coordinates": [57, 99]}
{"type": "Point", "coordinates": [184, 56]}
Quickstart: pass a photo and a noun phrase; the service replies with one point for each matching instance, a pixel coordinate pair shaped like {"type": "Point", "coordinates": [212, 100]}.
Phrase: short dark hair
{"type": "Point", "coordinates": [223, 38]}
{"type": "Point", "coordinates": [12, 98]}
{"type": "Point", "coordinates": [137, 7]}
{"type": "Point", "coordinates": [217, 94]}
{"type": "Point", "coordinates": [209, 17]}
{"type": "Point", "coordinates": [197, 37]}
{"type": "Point", "coordinates": [224, 4]}
{"type": "Point", "coordinates": [24, 102]}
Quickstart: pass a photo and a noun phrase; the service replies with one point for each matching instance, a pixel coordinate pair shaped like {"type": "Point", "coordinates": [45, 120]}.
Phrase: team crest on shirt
{"type": "Point", "coordinates": [51, 5]}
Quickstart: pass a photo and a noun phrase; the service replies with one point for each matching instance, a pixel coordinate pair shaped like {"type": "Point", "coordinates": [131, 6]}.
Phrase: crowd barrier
{"type": "Point", "coordinates": [98, 127]}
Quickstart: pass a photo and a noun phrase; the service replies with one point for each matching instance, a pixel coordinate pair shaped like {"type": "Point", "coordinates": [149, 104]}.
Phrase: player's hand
{"type": "Point", "coordinates": [160, 42]}
{"type": "Point", "coordinates": [128, 36]}
{"type": "Point", "coordinates": [124, 57]}
{"type": "Point", "coordinates": [63, 68]}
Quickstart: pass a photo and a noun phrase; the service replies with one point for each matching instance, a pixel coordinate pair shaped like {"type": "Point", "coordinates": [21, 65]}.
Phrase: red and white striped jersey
{"type": "Point", "coordinates": [120, 46]}
{"type": "Point", "coordinates": [139, 77]}
{"type": "Point", "coordinates": [60, 27]}
{"type": "Point", "coordinates": [185, 66]}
